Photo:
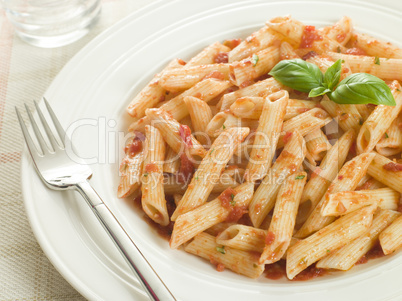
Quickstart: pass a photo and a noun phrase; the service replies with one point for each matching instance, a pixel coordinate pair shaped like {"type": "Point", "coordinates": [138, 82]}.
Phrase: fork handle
{"type": "Point", "coordinates": [147, 276]}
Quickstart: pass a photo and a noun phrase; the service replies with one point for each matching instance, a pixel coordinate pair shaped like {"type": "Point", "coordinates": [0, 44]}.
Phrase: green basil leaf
{"type": "Point", "coordinates": [318, 91]}
{"type": "Point", "coordinates": [333, 75]}
{"type": "Point", "coordinates": [297, 74]}
{"type": "Point", "coordinates": [361, 88]}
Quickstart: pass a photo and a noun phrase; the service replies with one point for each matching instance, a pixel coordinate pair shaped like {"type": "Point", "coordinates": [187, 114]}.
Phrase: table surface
{"type": "Point", "coordinates": [25, 74]}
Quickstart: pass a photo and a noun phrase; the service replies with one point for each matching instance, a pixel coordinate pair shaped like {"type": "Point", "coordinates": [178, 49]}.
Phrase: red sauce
{"type": "Point", "coordinates": [375, 252]}
{"type": "Point", "coordinates": [309, 55]}
{"type": "Point", "coordinates": [235, 214]}
{"type": "Point", "coordinates": [221, 57]}
{"type": "Point", "coordinates": [134, 147]}
{"type": "Point", "coordinates": [226, 197]}
{"type": "Point", "coordinates": [151, 167]}
{"type": "Point", "coordinates": [220, 267]}
{"type": "Point", "coordinates": [269, 239]}
{"type": "Point", "coordinates": [287, 137]}
{"type": "Point", "coordinates": [186, 170]}
{"type": "Point", "coordinates": [341, 37]}
{"type": "Point", "coordinates": [355, 51]}
{"type": "Point", "coordinates": [181, 62]}
{"type": "Point", "coordinates": [276, 270]}
{"type": "Point", "coordinates": [302, 110]}
{"type": "Point", "coordinates": [215, 74]}
{"type": "Point", "coordinates": [185, 134]}
{"type": "Point", "coordinates": [246, 84]}
{"type": "Point", "coordinates": [232, 43]}
{"type": "Point", "coordinates": [340, 177]}
{"type": "Point", "coordinates": [392, 166]}
{"type": "Point", "coordinates": [310, 273]}
{"type": "Point", "coordinates": [310, 35]}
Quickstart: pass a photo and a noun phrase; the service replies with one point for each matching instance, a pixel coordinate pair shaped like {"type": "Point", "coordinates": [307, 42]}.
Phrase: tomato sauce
{"type": "Point", "coordinates": [151, 167]}
{"type": "Point", "coordinates": [310, 35]}
{"type": "Point", "coordinates": [232, 43]}
{"type": "Point", "coordinates": [270, 238]}
{"type": "Point", "coordinates": [375, 252]}
{"type": "Point", "coordinates": [355, 51]}
{"type": "Point", "coordinates": [134, 147]}
{"type": "Point", "coordinates": [309, 55]}
{"type": "Point", "coordinates": [185, 134]}
{"type": "Point", "coordinates": [222, 58]}
{"type": "Point", "coordinates": [186, 170]}
{"type": "Point", "coordinates": [392, 166]}
{"type": "Point", "coordinates": [215, 74]}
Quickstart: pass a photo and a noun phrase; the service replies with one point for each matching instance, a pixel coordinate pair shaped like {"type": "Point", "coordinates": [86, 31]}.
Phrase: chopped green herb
{"type": "Point", "coordinates": [361, 121]}
{"type": "Point", "coordinates": [328, 251]}
{"type": "Point", "coordinates": [377, 60]}
{"type": "Point", "coordinates": [145, 174]}
{"type": "Point", "coordinates": [210, 153]}
{"type": "Point", "coordinates": [338, 49]}
{"type": "Point", "coordinates": [255, 265]}
{"type": "Point", "coordinates": [386, 136]}
{"type": "Point", "coordinates": [221, 249]}
{"type": "Point", "coordinates": [255, 59]}
{"type": "Point", "coordinates": [223, 126]}
{"type": "Point", "coordinates": [300, 177]}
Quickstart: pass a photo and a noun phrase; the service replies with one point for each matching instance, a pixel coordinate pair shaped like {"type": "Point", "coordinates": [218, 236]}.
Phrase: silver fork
{"type": "Point", "coordinates": [59, 172]}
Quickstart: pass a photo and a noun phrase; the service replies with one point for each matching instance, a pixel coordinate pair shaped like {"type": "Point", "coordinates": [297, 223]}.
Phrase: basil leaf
{"type": "Point", "coordinates": [318, 91]}
{"type": "Point", "coordinates": [297, 74]}
{"type": "Point", "coordinates": [333, 75]}
{"type": "Point", "coordinates": [361, 88]}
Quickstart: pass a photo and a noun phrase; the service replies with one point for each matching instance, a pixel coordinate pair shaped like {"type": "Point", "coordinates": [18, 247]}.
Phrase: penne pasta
{"type": "Point", "coordinates": [214, 53]}
{"type": "Point", "coordinates": [207, 174]}
{"type": "Point", "coordinates": [348, 178]}
{"type": "Point", "coordinates": [332, 237]}
{"type": "Point", "coordinates": [176, 80]}
{"type": "Point", "coordinates": [151, 94]}
{"type": "Point", "coordinates": [391, 237]}
{"type": "Point", "coordinates": [386, 171]}
{"type": "Point", "coordinates": [343, 202]}
{"type": "Point", "coordinates": [172, 161]}
{"type": "Point", "coordinates": [244, 72]}
{"type": "Point", "coordinates": [347, 256]}
{"type": "Point", "coordinates": [153, 196]}
{"type": "Point", "coordinates": [375, 47]}
{"type": "Point", "coordinates": [201, 115]}
{"type": "Point", "coordinates": [341, 31]}
{"type": "Point", "coordinates": [266, 136]}
{"type": "Point", "coordinates": [376, 125]}
{"type": "Point", "coordinates": [228, 207]}
{"type": "Point", "coordinates": [174, 133]}
{"type": "Point", "coordinates": [317, 144]}
{"type": "Point", "coordinates": [286, 164]}
{"type": "Point", "coordinates": [205, 90]}
{"type": "Point", "coordinates": [391, 143]}
{"type": "Point", "coordinates": [283, 221]}
{"type": "Point", "coordinates": [241, 262]}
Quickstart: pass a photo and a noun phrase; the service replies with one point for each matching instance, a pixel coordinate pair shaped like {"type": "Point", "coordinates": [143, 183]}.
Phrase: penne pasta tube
{"type": "Point", "coordinates": [201, 115]}
{"type": "Point", "coordinates": [153, 196]}
{"type": "Point", "coordinates": [391, 143]}
{"type": "Point", "coordinates": [177, 198]}
{"type": "Point", "coordinates": [257, 41]}
{"type": "Point", "coordinates": [347, 256]}
{"type": "Point", "coordinates": [229, 207]}
{"type": "Point", "coordinates": [251, 107]}
{"type": "Point", "coordinates": [341, 31]}
{"type": "Point", "coordinates": [332, 237]}
{"type": "Point", "coordinates": [207, 174]}
{"type": "Point", "coordinates": [347, 116]}
{"type": "Point", "coordinates": [215, 230]}
{"type": "Point", "coordinates": [174, 133]}
{"type": "Point", "coordinates": [297, 32]}
{"type": "Point", "coordinates": [266, 136]}
{"type": "Point", "coordinates": [205, 90]}
{"type": "Point", "coordinates": [221, 122]}
{"type": "Point", "coordinates": [286, 164]}
{"type": "Point", "coordinates": [213, 53]}
{"type": "Point", "coordinates": [241, 262]}
{"type": "Point", "coordinates": [375, 47]}
{"type": "Point", "coordinates": [172, 161]}
{"type": "Point", "coordinates": [317, 144]}
{"type": "Point", "coordinates": [376, 125]}
{"type": "Point", "coordinates": [387, 172]}
{"type": "Point", "coordinates": [343, 202]}
{"type": "Point", "coordinates": [151, 94]}
{"type": "Point", "coordinates": [130, 168]}
{"type": "Point", "coordinates": [262, 89]}
{"type": "Point", "coordinates": [391, 237]}
{"type": "Point", "coordinates": [243, 237]}
{"type": "Point", "coordinates": [176, 80]}
{"type": "Point", "coordinates": [244, 72]}
{"type": "Point", "coordinates": [384, 68]}
{"type": "Point", "coordinates": [284, 218]}
{"type": "Point", "coordinates": [287, 52]}
{"type": "Point", "coordinates": [348, 178]}
{"type": "Point", "coordinates": [304, 123]}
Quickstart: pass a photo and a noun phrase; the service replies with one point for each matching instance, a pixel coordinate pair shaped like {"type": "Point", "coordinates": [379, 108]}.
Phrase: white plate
{"type": "Point", "coordinates": [93, 90]}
